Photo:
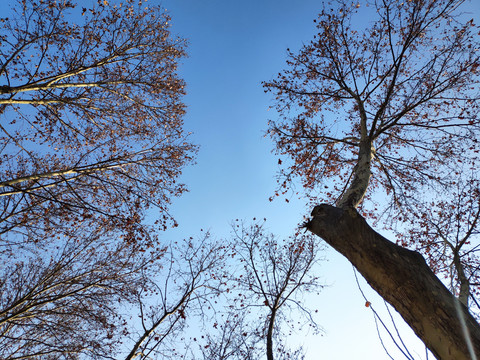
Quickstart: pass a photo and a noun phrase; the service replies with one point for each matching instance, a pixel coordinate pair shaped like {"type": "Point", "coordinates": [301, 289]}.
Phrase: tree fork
{"type": "Point", "coordinates": [402, 278]}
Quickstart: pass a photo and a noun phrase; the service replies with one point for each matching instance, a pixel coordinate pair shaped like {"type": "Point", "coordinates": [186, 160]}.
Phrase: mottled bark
{"type": "Point", "coordinates": [464, 291]}
{"type": "Point", "coordinates": [403, 279]}
{"type": "Point", "coordinates": [361, 177]}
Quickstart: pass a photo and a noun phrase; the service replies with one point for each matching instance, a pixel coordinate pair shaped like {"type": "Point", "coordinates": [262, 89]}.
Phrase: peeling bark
{"type": "Point", "coordinates": [463, 279]}
{"type": "Point", "coordinates": [403, 279]}
{"type": "Point", "coordinates": [361, 177]}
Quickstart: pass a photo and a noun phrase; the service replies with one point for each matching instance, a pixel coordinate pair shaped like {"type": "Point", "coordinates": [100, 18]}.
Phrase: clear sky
{"type": "Point", "coordinates": [234, 45]}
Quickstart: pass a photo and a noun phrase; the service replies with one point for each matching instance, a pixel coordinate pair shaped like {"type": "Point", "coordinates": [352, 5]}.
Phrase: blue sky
{"type": "Point", "coordinates": [233, 46]}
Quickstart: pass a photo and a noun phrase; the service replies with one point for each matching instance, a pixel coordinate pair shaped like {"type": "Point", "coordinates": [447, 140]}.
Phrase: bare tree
{"type": "Point", "coordinates": [389, 108]}
{"type": "Point", "coordinates": [81, 301]}
{"type": "Point", "coordinates": [266, 295]}
{"type": "Point", "coordinates": [190, 280]}
{"type": "Point", "coordinates": [67, 302]}
{"type": "Point", "coordinates": [91, 138]}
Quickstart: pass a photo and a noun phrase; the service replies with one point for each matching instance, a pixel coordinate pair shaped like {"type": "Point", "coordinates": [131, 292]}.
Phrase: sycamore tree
{"type": "Point", "coordinates": [91, 136]}
{"type": "Point", "coordinates": [379, 116]}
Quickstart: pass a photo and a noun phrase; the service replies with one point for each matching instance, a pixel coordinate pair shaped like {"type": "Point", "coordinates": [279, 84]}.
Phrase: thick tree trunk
{"type": "Point", "coordinates": [403, 279]}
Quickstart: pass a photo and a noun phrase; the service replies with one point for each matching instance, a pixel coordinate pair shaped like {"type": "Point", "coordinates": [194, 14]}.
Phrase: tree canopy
{"type": "Point", "coordinates": [396, 96]}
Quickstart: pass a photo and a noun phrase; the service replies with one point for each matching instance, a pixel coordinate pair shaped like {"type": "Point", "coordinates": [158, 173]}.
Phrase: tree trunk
{"type": "Point", "coordinates": [271, 324]}
{"type": "Point", "coordinates": [403, 279]}
{"type": "Point", "coordinates": [361, 177]}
